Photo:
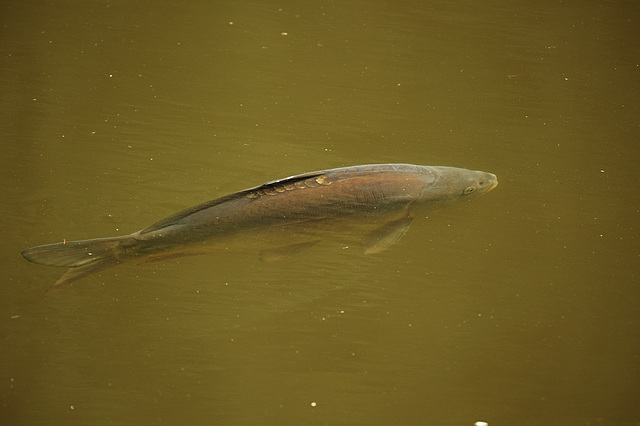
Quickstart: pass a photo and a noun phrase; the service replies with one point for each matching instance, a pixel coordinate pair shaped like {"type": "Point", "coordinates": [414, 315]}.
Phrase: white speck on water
{"type": "Point", "coordinates": [481, 424]}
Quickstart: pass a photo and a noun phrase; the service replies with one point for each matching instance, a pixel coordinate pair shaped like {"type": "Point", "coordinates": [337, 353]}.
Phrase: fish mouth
{"type": "Point", "coordinates": [493, 185]}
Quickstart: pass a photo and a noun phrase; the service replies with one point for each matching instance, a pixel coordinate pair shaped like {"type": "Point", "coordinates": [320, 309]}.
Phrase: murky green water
{"type": "Point", "coordinates": [521, 307]}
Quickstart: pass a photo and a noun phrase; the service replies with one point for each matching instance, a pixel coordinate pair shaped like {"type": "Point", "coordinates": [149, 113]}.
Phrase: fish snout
{"type": "Point", "coordinates": [494, 184]}
{"type": "Point", "coordinates": [492, 180]}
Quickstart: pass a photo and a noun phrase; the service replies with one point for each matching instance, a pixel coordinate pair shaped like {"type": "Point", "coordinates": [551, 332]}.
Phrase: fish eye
{"type": "Point", "coordinates": [469, 190]}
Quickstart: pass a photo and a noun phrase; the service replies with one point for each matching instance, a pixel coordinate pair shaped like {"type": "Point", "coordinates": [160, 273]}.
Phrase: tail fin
{"type": "Point", "coordinates": [81, 258]}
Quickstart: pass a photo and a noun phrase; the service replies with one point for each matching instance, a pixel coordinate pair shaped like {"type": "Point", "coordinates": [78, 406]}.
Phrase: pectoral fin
{"type": "Point", "coordinates": [386, 236]}
{"type": "Point", "coordinates": [281, 252]}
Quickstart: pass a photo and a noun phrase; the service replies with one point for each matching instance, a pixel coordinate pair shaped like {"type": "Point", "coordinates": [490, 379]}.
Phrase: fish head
{"type": "Point", "coordinates": [450, 185]}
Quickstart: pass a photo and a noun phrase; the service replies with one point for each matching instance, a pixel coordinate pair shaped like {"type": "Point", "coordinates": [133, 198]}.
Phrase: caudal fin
{"type": "Point", "coordinates": [81, 258]}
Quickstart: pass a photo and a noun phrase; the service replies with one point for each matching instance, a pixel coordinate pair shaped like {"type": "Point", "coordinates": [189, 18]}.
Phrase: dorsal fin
{"type": "Point", "coordinates": [176, 217]}
{"type": "Point", "coordinates": [254, 192]}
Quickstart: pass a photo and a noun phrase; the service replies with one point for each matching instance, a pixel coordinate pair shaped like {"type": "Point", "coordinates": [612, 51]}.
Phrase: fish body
{"type": "Point", "coordinates": [373, 203]}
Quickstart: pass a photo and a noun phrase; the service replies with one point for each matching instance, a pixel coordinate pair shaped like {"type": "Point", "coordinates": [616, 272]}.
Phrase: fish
{"type": "Point", "coordinates": [371, 205]}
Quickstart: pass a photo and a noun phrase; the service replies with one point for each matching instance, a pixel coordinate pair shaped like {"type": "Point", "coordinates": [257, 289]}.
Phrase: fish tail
{"type": "Point", "coordinates": [81, 258]}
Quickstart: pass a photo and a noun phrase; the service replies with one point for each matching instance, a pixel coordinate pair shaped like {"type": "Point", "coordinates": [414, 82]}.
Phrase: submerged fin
{"type": "Point", "coordinates": [80, 257]}
{"type": "Point", "coordinates": [167, 256]}
{"type": "Point", "coordinates": [282, 252]}
{"type": "Point", "coordinates": [386, 236]}
{"type": "Point", "coordinates": [77, 272]}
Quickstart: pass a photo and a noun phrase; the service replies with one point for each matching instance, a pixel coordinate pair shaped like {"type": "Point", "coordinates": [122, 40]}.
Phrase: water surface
{"type": "Point", "coordinates": [521, 307]}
